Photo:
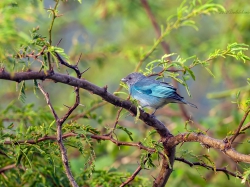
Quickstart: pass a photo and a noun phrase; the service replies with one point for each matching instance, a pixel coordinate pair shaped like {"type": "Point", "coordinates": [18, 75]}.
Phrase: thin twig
{"type": "Point", "coordinates": [117, 118]}
{"type": "Point", "coordinates": [76, 117]}
{"type": "Point", "coordinates": [191, 164]}
{"type": "Point", "coordinates": [96, 137]}
{"type": "Point", "coordinates": [46, 95]}
{"type": "Point", "coordinates": [32, 55]}
{"type": "Point", "coordinates": [63, 62]}
{"type": "Point", "coordinates": [137, 171]}
{"type": "Point", "coordinates": [54, 16]}
{"type": "Point", "coordinates": [247, 126]}
{"type": "Point", "coordinates": [7, 168]}
{"type": "Point", "coordinates": [237, 132]}
{"type": "Point", "coordinates": [71, 109]}
{"type": "Point", "coordinates": [59, 134]}
{"type": "Point", "coordinates": [156, 27]}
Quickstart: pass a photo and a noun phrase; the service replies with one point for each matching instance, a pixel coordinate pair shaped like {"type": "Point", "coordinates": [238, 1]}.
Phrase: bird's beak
{"type": "Point", "coordinates": [124, 80]}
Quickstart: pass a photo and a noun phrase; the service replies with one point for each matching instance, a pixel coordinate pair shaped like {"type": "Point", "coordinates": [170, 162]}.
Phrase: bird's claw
{"type": "Point", "coordinates": [152, 115]}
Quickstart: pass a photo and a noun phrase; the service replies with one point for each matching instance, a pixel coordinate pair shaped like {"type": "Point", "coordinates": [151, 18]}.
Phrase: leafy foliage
{"type": "Point", "coordinates": [116, 38]}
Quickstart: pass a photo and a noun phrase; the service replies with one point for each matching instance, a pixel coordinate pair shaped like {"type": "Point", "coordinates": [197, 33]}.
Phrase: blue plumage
{"type": "Point", "coordinates": [152, 93]}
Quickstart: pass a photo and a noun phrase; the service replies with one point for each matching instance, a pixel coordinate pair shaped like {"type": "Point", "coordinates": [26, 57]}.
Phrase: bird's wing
{"type": "Point", "coordinates": [156, 89]}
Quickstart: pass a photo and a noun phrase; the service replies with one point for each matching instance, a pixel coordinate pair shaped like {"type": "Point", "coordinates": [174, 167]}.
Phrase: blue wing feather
{"type": "Point", "coordinates": [156, 94]}
{"type": "Point", "coordinates": [157, 89]}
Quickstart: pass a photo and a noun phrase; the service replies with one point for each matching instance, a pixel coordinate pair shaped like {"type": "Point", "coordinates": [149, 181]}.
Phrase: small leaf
{"type": "Point", "coordinates": [22, 95]}
{"type": "Point", "coordinates": [245, 176]}
{"type": "Point", "coordinates": [11, 126]}
{"type": "Point", "coordinates": [35, 86]}
{"type": "Point", "coordinates": [125, 130]}
{"type": "Point", "coordinates": [137, 114]}
{"type": "Point", "coordinates": [209, 71]}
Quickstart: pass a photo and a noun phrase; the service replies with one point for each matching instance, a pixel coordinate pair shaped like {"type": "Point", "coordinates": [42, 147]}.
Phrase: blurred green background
{"type": "Point", "coordinates": [110, 35]}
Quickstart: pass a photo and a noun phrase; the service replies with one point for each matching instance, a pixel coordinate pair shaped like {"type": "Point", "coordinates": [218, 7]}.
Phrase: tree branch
{"type": "Point", "coordinates": [191, 164]}
{"type": "Point", "coordinates": [96, 137]}
{"type": "Point", "coordinates": [237, 132]}
{"type": "Point", "coordinates": [46, 95]}
{"type": "Point", "coordinates": [137, 171]}
{"type": "Point", "coordinates": [247, 126]}
{"type": "Point", "coordinates": [157, 29]}
{"type": "Point", "coordinates": [81, 83]}
{"type": "Point", "coordinates": [167, 165]}
{"type": "Point", "coordinates": [7, 168]}
{"type": "Point", "coordinates": [169, 142]}
{"type": "Point", "coordinates": [82, 115]}
{"type": "Point", "coordinates": [211, 142]}
{"type": "Point", "coordinates": [59, 134]}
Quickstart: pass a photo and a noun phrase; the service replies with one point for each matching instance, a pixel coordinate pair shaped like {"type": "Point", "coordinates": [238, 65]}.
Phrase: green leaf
{"type": "Point", "coordinates": [60, 51]}
{"type": "Point", "coordinates": [35, 86]}
{"type": "Point", "coordinates": [125, 130]}
{"type": "Point", "coordinates": [190, 72]}
{"type": "Point", "coordinates": [10, 126]}
{"type": "Point", "coordinates": [137, 114]}
{"type": "Point", "coordinates": [22, 95]}
{"type": "Point", "coordinates": [245, 176]}
{"type": "Point", "coordinates": [209, 71]}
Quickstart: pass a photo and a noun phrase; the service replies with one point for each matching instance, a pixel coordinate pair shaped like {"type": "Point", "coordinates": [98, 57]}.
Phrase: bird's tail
{"type": "Point", "coordinates": [190, 104]}
{"type": "Point", "coordinates": [178, 99]}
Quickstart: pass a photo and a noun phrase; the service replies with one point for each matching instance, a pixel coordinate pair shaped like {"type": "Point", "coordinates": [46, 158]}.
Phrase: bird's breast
{"type": "Point", "coordinates": [148, 100]}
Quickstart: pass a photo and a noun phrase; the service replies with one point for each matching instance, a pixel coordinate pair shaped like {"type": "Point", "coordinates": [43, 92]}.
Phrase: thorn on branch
{"type": "Point", "coordinates": [66, 106]}
{"type": "Point", "coordinates": [153, 177]}
{"type": "Point", "coordinates": [228, 144]}
{"type": "Point", "coordinates": [105, 88]}
{"type": "Point", "coordinates": [59, 42]}
{"type": "Point", "coordinates": [85, 70]}
{"type": "Point", "coordinates": [2, 69]}
{"type": "Point", "coordinates": [79, 59]}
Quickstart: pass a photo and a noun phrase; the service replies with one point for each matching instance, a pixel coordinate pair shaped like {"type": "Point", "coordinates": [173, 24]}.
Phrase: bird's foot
{"type": "Point", "coordinates": [152, 115]}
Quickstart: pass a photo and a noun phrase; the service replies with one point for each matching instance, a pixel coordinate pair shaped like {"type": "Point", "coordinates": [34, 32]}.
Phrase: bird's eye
{"type": "Point", "coordinates": [129, 78]}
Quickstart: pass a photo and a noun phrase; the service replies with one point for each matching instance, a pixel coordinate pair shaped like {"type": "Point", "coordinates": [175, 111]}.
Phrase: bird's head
{"type": "Point", "coordinates": [132, 78]}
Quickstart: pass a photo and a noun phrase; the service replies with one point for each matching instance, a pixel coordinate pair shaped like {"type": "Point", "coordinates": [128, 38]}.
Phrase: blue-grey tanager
{"type": "Point", "coordinates": [152, 93]}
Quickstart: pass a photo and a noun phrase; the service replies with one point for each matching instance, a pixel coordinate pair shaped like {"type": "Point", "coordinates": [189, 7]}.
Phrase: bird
{"type": "Point", "coordinates": [152, 93]}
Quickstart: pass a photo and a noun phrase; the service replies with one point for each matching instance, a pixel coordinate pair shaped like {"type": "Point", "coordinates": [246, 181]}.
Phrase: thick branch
{"type": "Point", "coordinates": [167, 166]}
{"type": "Point", "coordinates": [211, 142]}
{"type": "Point", "coordinates": [149, 120]}
{"type": "Point", "coordinates": [102, 92]}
